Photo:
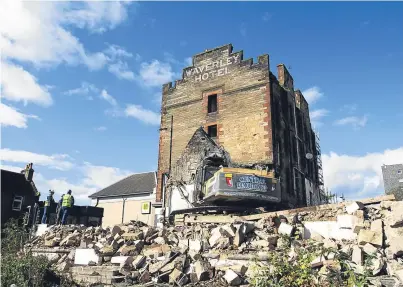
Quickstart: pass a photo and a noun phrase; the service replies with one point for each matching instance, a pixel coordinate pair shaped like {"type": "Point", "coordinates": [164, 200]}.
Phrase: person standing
{"type": "Point", "coordinates": [67, 202]}
{"type": "Point", "coordinates": [49, 203]}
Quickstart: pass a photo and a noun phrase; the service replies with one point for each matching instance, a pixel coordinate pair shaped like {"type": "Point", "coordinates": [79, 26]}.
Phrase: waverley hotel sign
{"type": "Point", "coordinates": [212, 69]}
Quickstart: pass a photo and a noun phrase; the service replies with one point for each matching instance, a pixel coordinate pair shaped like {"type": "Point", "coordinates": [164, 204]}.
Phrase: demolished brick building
{"type": "Point", "coordinates": [258, 118]}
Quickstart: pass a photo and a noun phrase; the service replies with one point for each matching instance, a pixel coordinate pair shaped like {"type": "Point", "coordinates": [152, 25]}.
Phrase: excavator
{"type": "Point", "coordinates": [219, 187]}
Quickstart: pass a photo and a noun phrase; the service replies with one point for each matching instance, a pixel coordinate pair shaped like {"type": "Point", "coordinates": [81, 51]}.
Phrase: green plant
{"type": "Point", "coordinates": [281, 270]}
{"type": "Point", "coordinates": [298, 272]}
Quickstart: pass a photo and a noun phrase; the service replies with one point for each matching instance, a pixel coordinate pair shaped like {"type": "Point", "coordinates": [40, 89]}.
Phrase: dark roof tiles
{"type": "Point", "coordinates": [133, 184]}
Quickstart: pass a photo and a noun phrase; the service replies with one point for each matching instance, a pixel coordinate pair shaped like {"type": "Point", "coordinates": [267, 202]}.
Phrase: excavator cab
{"type": "Point", "coordinates": [218, 184]}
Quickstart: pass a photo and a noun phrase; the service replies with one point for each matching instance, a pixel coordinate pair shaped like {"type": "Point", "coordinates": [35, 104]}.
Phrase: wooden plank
{"type": "Point", "coordinates": [199, 218]}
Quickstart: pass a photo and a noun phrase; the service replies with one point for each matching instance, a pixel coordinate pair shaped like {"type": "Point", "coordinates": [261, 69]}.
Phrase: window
{"type": "Point", "coordinates": [212, 131]}
{"type": "Point", "coordinates": [17, 203]}
{"type": "Point", "coordinates": [212, 104]}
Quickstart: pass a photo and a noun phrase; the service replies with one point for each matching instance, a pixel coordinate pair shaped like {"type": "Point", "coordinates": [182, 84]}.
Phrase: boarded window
{"type": "Point", "coordinates": [212, 103]}
{"type": "Point", "coordinates": [17, 203]}
{"type": "Point", "coordinates": [212, 131]}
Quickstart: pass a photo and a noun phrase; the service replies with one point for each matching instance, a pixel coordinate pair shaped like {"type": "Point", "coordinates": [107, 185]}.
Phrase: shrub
{"type": "Point", "coordinates": [281, 270]}
{"type": "Point", "coordinates": [17, 267]}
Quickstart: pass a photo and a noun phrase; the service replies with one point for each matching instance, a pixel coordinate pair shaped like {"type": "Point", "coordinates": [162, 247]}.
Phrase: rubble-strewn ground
{"type": "Point", "coordinates": [352, 245]}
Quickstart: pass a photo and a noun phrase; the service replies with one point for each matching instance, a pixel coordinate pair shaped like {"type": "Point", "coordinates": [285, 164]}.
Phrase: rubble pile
{"type": "Point", "coordinates": [366, 239]}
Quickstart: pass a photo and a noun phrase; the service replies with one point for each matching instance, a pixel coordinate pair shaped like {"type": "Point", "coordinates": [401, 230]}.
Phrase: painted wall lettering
{"type": "Point", "coordinates": [213, 69]}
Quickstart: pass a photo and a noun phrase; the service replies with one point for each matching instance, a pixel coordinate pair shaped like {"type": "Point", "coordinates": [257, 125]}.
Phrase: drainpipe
{"type": "Point", "coordinates": [123, 209]}
{"type": "Point", "coordinates": [170, 146]}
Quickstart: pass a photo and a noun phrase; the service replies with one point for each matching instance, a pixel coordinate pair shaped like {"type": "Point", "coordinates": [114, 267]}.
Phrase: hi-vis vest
{"type": "Point", "coordinates": [67, 199]}
{"type": "Point", "coordinates": [48, 200]}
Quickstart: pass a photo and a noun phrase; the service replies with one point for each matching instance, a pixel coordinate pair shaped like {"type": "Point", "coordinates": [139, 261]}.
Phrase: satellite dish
{"type": "Point", "coordinates": [309, 156]}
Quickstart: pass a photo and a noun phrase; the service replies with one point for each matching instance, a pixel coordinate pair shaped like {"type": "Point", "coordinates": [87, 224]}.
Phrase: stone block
{"type": "Point", "coordinates": [239, 237]}
{"type": "Point", "coordinates": [115, 230]}
{"type": "Point", "coordinates": [324, 228]}
{"type": "Point", "coordinates": [353, 207]}
{"type": "Point", "coordinates": [348, 221]}
{"type": "Point", "coordinates": [202, 270]}
{"type": "Point", "coordinates": [195, 245]}
{"type": "Point", "coordinates": [377, 225]}
{"type": "Point", "coordinates": [232, 278]}
{"type": "Point", "coordinates": [130, 250]}
{"type": "Point", "coordinates": [368, 236]}
{"type": "Point", "coordinates": [396, 246]}
{"type": "Point", "coordinates": [122, 260]}
{"type": "Point", "coordinates": [370, 249]}
{"type": "Point", "coordinates": [85, 256]}
{"type": "Point", "coordinates": [159, 240]}
{"type": "Point", "coordinates": [139, 261]}
{"type": "Point", "coordinates": [285, 229]}
{"type": "Point", "coordinates": [228, 230]}
{"type": "Point", "coordinates": [178, 277]}
{"type": "Point", "coordinates": [156, 250]}
{"type": "Point", "coordinates": [357, 256]}
{"type": "Point", "coordinates": [139, 235]}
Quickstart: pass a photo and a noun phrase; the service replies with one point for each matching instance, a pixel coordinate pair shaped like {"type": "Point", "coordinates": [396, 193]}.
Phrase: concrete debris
{"type": "Point", "coordinates": [232, 278]}
{"type": "Point", "coordinates": [355, 206]}
{"type": "Point", "coordinates": [368, 236]}
{"type": "Point", "coordinates": [210, 254]}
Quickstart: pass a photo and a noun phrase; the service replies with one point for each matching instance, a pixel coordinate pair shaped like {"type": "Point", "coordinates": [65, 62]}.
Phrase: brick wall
{"type": "Point", "coordinates": [243, 117]}
{"type": "Point", "coordinates": [255, 117]}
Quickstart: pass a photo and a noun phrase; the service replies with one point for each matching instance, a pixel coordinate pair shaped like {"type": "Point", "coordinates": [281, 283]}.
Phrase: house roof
{"type": "Point", "coordinates": [16, 181]}
{"type": "Point", "coordinates": [133, 184]}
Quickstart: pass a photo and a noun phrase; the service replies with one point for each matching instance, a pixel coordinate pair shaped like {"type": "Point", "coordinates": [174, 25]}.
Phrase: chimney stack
{"type": "Point", "coordinates": [29, 172]}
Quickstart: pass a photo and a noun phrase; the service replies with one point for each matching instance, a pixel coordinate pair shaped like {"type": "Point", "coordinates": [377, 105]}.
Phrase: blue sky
{"type": "Point", "coordinates": [81, 81]}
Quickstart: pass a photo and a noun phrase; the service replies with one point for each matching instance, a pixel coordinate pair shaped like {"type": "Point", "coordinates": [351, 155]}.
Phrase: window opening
{"type": "Point", "coordinates": [212, 131]}
{"type": "Point", "coordinates": [17, 203]}
{"type": "Point", "coordinates": [212, 103]}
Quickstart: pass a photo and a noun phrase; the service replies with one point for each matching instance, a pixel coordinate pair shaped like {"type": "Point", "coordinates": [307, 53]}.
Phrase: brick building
{"type": "Point", "coordinates": [259, 119]}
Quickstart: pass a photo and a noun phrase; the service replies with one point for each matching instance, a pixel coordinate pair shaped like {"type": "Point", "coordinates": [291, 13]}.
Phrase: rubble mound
{"type": "Point", "coordinates": [344, 244]}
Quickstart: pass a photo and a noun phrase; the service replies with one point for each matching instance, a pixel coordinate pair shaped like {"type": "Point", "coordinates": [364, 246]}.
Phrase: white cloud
{"type": "Point", "coordinates": [144, 115]}
{"type": "Point", "coordinates": [355, 122]}
{"type": "Point", "coordinates": [85, 90]}
{"type": "Point", "coordinates": [156, 73]}
{"type": "Point", "coordinates": [102, 176]}
{"type": "Point", "coordinates": [55, 161]}
{"type": "Point", "coordinates": [101, 129]}
{"type": "Point", "coordinates": [317, 115]}
{"type": "Point", "coordinates": [115, 51]}
{"type": "Point", "coordinates": [107, 97]}
{"type": "Point", "coordinates": [121, 70]}
{"type": "Point", "coordinates": [312, 94]}
{"type": "Point", "coordinates": [358, 176]}
{"type": "Point", "coordinates": [91, 178]}
{"type": "Point", "coordinates": [266, 16]}
{"type": "Point", "coordinates": [10, 116]}
{"type": "Point", "coordinates": [96, 16]}
{"type": "Point", "coordinates": [34, 32]}
{"type": "Point", "coordinates": [20, 86]}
